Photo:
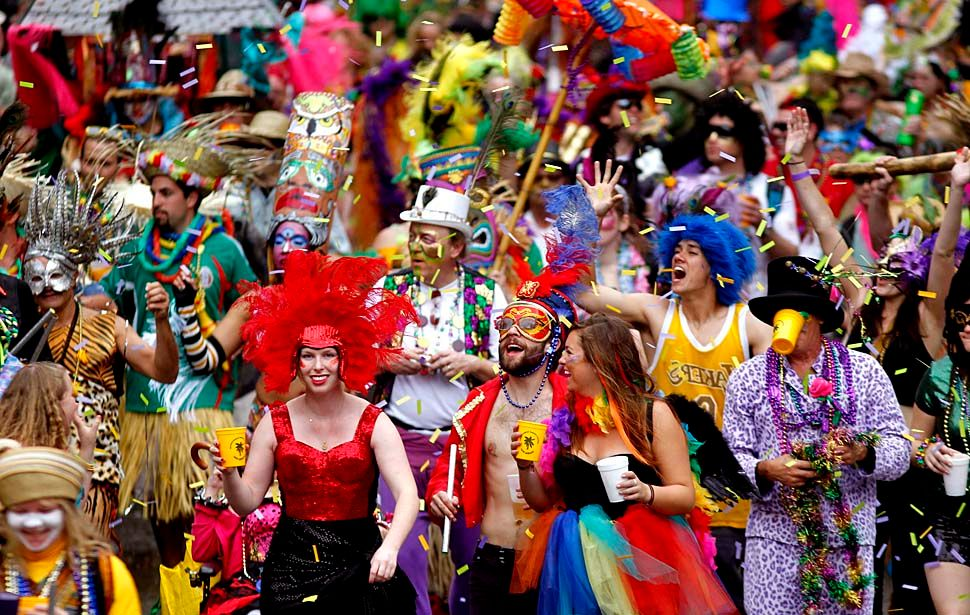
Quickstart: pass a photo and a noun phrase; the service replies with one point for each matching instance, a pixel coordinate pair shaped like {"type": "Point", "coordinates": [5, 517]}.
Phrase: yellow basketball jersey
{"type": "Point", "coordinates": [683, 366]}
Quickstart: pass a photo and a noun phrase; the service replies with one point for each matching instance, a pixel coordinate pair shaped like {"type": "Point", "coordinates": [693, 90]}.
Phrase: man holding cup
{"type": "Point", "coordinates": [814, 429]}
{"type": "Point", "coordinates": [533, 330]}
{"type": "Point", "coordinates": [940, 443]}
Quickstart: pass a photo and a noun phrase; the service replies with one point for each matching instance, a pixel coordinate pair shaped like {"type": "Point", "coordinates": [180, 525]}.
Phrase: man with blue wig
{"type": "Point", "coordinates": [694, 338]}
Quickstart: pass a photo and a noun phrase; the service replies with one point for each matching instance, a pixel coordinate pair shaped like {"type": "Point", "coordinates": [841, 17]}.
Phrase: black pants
{"type": "Point", "coordinates": [491, 575]}
{"type": "Point", "coordinates": [730, 556]}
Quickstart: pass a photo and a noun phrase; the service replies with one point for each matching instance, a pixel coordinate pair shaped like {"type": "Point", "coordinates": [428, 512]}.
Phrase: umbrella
{"type": "Point", "coordinates": [218, 16]}
{"type": "Point", "coordinates": [75, 17]}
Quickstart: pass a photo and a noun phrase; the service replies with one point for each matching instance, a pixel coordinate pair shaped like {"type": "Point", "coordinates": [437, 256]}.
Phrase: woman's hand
{"type": "Point", "coordinates": [217, 459]}
{"type": "Point", "coordinates": [214, 485]}
{"type": "Point", "coordinates": [960, 173]}
{"type": "Point", "coordinates": [383, 564]}
{"type": "Point", "coordinates": [87, 435]}
{"type": "Point", "coordinates": [798, 131]}
{"type": "Point", "coordinates": [938, 458]}
{"type": "Point", "coordinates": [632, 489]}
{"type": "Point", "coordinates": [601, 193]}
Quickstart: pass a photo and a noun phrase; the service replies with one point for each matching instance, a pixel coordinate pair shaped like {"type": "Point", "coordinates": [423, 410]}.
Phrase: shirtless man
{"type": "Point", "coordinates": [533, 331]}
{"type": "Point", "coordinates": [694, 339]}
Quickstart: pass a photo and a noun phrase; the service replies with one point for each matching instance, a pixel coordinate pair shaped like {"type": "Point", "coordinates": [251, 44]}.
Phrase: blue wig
{"type": "Point", "coordinates": [720, 242]}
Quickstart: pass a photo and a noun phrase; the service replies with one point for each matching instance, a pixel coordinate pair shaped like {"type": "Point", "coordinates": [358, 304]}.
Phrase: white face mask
{"type": "Point", "coordinates": [29, 526]}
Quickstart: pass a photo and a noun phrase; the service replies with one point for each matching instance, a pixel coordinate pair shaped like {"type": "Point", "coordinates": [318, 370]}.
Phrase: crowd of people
{"type": "Point", "coordinates": [537, 306]}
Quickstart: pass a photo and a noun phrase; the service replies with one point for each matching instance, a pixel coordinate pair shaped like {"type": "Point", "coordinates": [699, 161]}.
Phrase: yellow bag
{"type": "Point", "coordinates": [177, 595]}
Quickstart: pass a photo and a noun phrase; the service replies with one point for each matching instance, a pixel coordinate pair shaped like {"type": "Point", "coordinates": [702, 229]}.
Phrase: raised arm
{"type": "Point", "coordinates": [160, 363]}
{"type": "Point", "coordinates": [245, 493]}
{"type": "Point", "coordinates": [205, 354]}
{"type": "Point", "coordinates": [932, 311]}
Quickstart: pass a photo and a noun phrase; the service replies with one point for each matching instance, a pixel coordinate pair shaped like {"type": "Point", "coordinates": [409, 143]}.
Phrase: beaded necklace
{"type": "Point", "coordinates": [804, 504]}
{"type": "Point", "coordinates": [18, 585]}
{"type": "Point", "coordinates": [963, 422]}
{"type": "Point", "coordinates": [152, 244]}
{"type": "Point", "coordinates": [542, 385]}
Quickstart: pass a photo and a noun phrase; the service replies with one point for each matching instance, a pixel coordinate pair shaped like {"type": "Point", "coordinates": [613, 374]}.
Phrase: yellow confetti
{"type": "Point", "coordinates": [928, 294]}
{"type": "Point", "coordinates": [316, 556]}
{"type": "Point", "coordinates": [709, 211]}
{"type": "Point", "coordinates": [854, 281]}
{"type": "Point", "coordinates": [625, 118]}
{"type": "Point", "coordinates": [312, 598]}
{"type": "Point", "coordinates": [565, 321]}
{"type": "Point", "coordinates": [95, 9]}
{"type": "Point", "coordinates": [912, 536]}
{"type": "Point", "coordinates": [901, 371]}
{"type": "Point", "coordinates": [285, 29]}
{"type": "Point", "coordinates": [776, 179]}
{"type": "Point", "coordinates": [918, 511]}
{"type": "Point", "coordinates": [925, 532]}
{"type": "Point", "coordinates": [615, 309]}
{"type": "Point", "coordinates": [619, 60]}
{"type": "Point", "coordinates": [557, 48]}
{"type": "Point", "coordinates": [421, 505]}
{"type": "Point", "coordinates": [456, 376]}
{"type": "Point", "coordinates": [722, 217]}
{"type": "Point", "coordinates": [420, 78]}
{"type": "Point", "coordinates": [27, 84]}
{"type": "Point", "coordinates": [377, 41]}
{"type": "Point", "coordinates": [946, 195]}
{"type": "Point", "coordinates": [196, 485]}
{"type": "Point", "coordinates": [529, 533]}
{"type": "Point", "coordinates": [767, 246]}
{"type": "Point", "coordinates": [734, 360]}
{"type": "Point", "coordinates": [960, 512]}
{"type": "Point", "coordinates": [761, 228]}
{"type": "Point", "coordinates": [789, 463]}
{"type": "Point", "coordinates": [847, 254]}
{"type": "Point", "coordinates": [846, 30]}
{"type": "Point", "coordinates": [143, 399]}
{"type": "Point", "coordinates": [261, 48]}
{"type": "Point", "coordinates": [423, 541]}
{"type": "Point", "coordinates": [649, 229]}
{"type": "Point", "coordinates": [858, 507]}
{"type": "Point", "coordinates": [662, 101]}
{"type": "Point", "coordinates": [786, 159]}
{"type": "Point", "coordinates": [403, 400]}
{"type": "Point", "coordinates": [838, 268]}
{"type": "Point", "coordinates": [139, 502]}
{"type": "Point", "coordinates": [203, 46]}
{"type": "Point", "coordinates": [435, 435]}
{"type": "Point", "coordinates": [628, 272]}
{"type": "Point", "coordinates": [596, 291]}
{"type": "Point", "coordinates": [760, 287]}
{"type": "Point", "coordinates": [909, 437]}
{"type": "Point", "coordinates": [462, 570]}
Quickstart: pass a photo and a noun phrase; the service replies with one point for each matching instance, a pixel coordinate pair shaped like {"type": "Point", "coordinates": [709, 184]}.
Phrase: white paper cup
{"type": "Point", "coordinates": [955, 482]}
{"type": "Point", "coordinates": [611, 471]}
{"type": "Point", "coordinates": [514, 487]}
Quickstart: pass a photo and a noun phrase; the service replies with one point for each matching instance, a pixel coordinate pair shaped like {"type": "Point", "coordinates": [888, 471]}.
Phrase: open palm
{"type": "Point", "coordinates": [798, 130]}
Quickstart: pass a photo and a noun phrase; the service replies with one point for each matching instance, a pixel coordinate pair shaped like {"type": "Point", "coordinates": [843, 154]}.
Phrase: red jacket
{"type": "Point", "coordinates": [468, 433]}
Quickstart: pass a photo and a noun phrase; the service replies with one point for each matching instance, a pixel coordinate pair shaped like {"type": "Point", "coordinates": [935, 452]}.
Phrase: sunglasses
{"type": "Point", "coordinates": [533, 325]}
{"type": "Point", "coordinates": [722, 132]}
{"type": "Point", "coordinates": [780, 126]}
{"type": "Point", "coordinates": [626, 103]}
{"type": "Point", "coordinates": [959, 317]}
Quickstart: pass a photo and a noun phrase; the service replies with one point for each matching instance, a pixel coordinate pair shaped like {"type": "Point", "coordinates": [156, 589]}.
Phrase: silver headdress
{"type": "Point", "coordinates": [72, 225]}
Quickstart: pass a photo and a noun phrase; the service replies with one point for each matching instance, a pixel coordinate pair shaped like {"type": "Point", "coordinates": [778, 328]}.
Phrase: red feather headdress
{"type": "Point", "coordinates": [324, 294]}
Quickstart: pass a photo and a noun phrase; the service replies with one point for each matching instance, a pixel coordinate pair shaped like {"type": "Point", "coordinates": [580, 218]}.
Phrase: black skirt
{"type": "Point", "coordinates": [333, 578]}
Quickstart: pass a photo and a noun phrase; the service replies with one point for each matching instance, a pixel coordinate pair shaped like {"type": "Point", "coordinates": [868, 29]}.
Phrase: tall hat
{"type": "Point", "coordinates": [796, 283]}
{"type": "Point", "coordinates": [36, 473]}
{"type": "Point", "coordinates": [312, 172]}
{"type": "Point", "coordinates": [69, 225]}
{"type": "Point", "coordinates": [324, 302]}
{"type": "Point", "coordinates": [727, 250]}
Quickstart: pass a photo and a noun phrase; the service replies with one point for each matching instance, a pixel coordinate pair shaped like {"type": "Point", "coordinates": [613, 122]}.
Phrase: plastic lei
{"type": "Point", "coordinates": [804, 504]}
{"type": "Point", "coordinates": [150, 246]}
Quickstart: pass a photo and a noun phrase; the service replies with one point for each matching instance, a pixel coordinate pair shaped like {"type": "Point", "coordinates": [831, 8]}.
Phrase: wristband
{"type": "Point", "coordinates": [804, 174]}
{"type": "Point", "coordinates": [653, 494]}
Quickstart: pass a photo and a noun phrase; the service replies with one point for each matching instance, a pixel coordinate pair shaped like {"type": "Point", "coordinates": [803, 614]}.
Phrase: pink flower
{"type": "Point", "coordinates": [820, 387]}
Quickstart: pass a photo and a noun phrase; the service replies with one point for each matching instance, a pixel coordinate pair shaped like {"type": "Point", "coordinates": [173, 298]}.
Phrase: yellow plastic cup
{"type": "Point", "coordinates": [533, 437]}
{"type": "Point", "coordinates": [788, 325]}
{"type": "Point", "coordinates": [27, 604]}
{"type": "Point", "coordinates": [232, 446]}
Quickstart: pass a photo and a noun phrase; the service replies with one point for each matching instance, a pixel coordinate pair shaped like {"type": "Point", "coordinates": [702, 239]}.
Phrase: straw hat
{"type": "Point", "coordinates": [856, 65]}
{"type": "Point", "coordinates": [232, 85]}
{"type": "Point", "coordinates": [38, 472]}
{"type": "Point", "coordinates": [269, 125]}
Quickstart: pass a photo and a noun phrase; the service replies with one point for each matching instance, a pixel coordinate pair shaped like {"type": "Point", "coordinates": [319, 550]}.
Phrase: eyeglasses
{"type": "Point", "coordinates": [960, 317]}
{"type": "Point", "coordinates": [534, 326]}
{"type": "Point", "coordinates": [722, 132]}
{"type": "Point", "coordinates": [626, 103]}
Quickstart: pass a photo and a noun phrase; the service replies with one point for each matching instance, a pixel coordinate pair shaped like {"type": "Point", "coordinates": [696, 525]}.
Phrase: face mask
{"type": "Point", "coordinates": [52, 521]}
{"type": "Point", "coordinates": [53, 274]}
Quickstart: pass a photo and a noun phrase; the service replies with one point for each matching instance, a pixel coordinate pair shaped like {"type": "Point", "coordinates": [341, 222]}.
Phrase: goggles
{"type": "Point", "coordinates": [532, 322]}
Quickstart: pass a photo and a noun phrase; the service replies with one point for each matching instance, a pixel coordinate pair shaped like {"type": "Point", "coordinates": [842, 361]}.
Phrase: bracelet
{"type": "Point", "coordinates": [805, 174]}
{"type": "Point", "coordinates": [790, 162]}
{"type": "Point", "coordinates": [921, 450]}
{"type": "Point", "coordinates": [653, 494]}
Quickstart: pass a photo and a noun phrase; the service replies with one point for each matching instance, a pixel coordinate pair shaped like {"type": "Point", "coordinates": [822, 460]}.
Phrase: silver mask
{"type": "Point", "coordinates": [54, 274]}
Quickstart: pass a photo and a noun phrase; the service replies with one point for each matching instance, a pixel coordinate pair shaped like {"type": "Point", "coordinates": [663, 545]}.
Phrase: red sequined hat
{"type": "Point", "coordinates": [324, 302]}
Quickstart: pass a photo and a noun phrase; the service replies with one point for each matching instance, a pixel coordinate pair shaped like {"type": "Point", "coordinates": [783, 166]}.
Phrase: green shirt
{"type": "Point", "coordinates": [935, 397]}
{"type": "Point", "coordinates": [223, 265]}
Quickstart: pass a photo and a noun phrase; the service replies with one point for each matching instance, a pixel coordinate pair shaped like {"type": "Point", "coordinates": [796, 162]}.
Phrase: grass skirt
{"type": "Point", "coordinates": [323, 566]}
{"type": "Point", "coordinates": [156, 456]}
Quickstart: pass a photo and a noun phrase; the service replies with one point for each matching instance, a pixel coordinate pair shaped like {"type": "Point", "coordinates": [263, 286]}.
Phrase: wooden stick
{"type": "Point", "coordinates": [935, 163]}
{"type": "Point", "coordinates": [446, 534]}
{"type": "Point", "coordinates": [537, 158]}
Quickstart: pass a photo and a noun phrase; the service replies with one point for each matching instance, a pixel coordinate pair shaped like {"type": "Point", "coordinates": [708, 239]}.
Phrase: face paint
{"type": "Point", "coordinates": [532, 322]}
{"type": "Point", "coordinates": [36, 530]}
{"type": "Point", "coordinates": [289, 237]}
{"type": "Point", "coordinates": [54, 275]}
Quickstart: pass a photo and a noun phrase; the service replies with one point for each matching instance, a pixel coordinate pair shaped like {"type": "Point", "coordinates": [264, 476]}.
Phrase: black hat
{"type": "Point", "coordinates": [795, 283]}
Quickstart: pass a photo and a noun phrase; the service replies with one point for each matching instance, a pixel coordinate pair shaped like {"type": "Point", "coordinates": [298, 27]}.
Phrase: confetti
{"type": "Point", "coordinates": [203, 46]}
{"type": "Point", "coordinates": [557, 48]}
{"type": "Point", "coordinates": [709, 211]}
{"type": "Point", "coordinates": [675, 229]}
{"type": "Point", "coordinates": [157, 62]}
{"type": "Point", "coordinates": [727, 157]}
{"type": "Point", "coordinates": [312, 598]}
{"type": "Point", "coordinates": [761, 228]}
{"type": "Point", "coordinates": [767, 246]}
{"type": "Point", "coordinates": [946, 195]}
{"type": "Point", "coordinates": [776, 179]}
{"type": "Point", "coordinates": [197, 485]}
{"type": "Point", "coordinates": [846, 30]}
{"type": "Point", "coordinates": [424, 466]}
{"type": "Point", "coordinates": [95, 9]}
{"type": "Point", "coordinates": [189, 84]}
{"type": "Point", "coordinates": [928, 294]}
{"type": "Point", "coordinates": [619, 60]}
{"type": "Point", "coordinates": [716, 93]}
{"type": "Point", "coordinates": [26, 84]}
{"type": "Point", "coordinates": [377, 40]}
{"type": "Point", "coordinates": [649, 229]}
{"type": "Point", "coordinates": [434, 436]}
{"type": "Point", "coordinates": [285, 29]}
{"type": "Point", "coordinates": [403, 400]}
{"type": "Point", "coordinates": [786, 159]}
{"type": "Point", "coordinates": [663, 101]}
{"type": "Point", "coordinates": [625, 118]}
{"type": "Point", "coordinates": [187, 71]}
{"type": "Point", "coordinates": [745, 248]}
{"type": "Point", "coordinates": [901, 371]}
{"type": "Point", "coordinates": [529, 533]}
{"type": "Point", "coordinates": [630, 272]}
{"type": "Point", "coordinates": [424, 542]}
{"type": "Point", "coordinates": [456, 376]}
{"type": "Point", "coordinates": [734, 360]}
{"type": "Point", "coordinates": [144, 399]}
{"type": "Point", "coordinates": [615, 309]}
{"type": "Point", "coordinates": [722, 217]}
{"type": "Point", "coordinates": [918, 511]}
{"type": "Point", "coordinates": [462, 570]}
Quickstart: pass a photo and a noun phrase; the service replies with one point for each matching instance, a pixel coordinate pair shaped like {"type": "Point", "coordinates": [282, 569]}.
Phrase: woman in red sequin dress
{"type": "Point", "coordinates": [327, 326]}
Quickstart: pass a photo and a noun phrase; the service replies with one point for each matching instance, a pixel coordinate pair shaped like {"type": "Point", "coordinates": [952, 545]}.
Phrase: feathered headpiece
{"type": "Point", "coordinates": [67, 224]}
{"type": "Point", "coordinates": [332, 299]}
{"type": "Point", "coordinates": [571, 247]}
{"type": "Point", "coordinates": [726, 249]}
{"type": "Point", "coordinates": [16, 168]}
{"type": "Point", "coordinates": [903, 254]}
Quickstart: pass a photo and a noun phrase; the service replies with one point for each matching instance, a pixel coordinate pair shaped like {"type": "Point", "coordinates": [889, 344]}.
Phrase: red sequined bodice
{"type": "Point", "coordinates": [333, 485]}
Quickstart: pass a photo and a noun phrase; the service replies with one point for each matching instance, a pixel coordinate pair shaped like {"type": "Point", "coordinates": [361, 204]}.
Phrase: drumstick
{"type": "Point", "coordinates": [446, 535]}
{"type": "Point", "coordinates": [935, 163]}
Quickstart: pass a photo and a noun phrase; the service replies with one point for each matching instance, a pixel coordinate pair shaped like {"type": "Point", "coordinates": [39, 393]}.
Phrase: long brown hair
{"type": "Point", "coordinates": [81, 537]}
{"type": "Point", "coordinates": [30, 410]}
{"type": "Point", "coordinates": [608, 345]}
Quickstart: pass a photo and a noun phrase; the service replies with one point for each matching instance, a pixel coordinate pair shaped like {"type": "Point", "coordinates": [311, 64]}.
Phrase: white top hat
{"type": "Point", "coordinates": [441, 207]}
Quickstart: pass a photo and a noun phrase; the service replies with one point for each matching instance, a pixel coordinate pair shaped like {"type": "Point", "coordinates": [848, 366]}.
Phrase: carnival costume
{"type": "Point", "coordinates": [943, 394]}
{"type": "Point", "coordinates": [809, 548]}
{"type": "Point", "coordinates": [162, 421]}
{"type": "Point", "coordinates": [328, 496]}
{"type": "Point", "coordinates": [84, 583]}
{"type": "Point", "coordinates": [71, 229]}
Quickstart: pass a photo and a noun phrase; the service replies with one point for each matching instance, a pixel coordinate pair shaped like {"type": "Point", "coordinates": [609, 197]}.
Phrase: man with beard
{"type": "Point", "coordinates": [453, 347]}
{"type": "Point", "coordinates": [162, 421]}
{"type": "Point", "coordinates": [533, 331]}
